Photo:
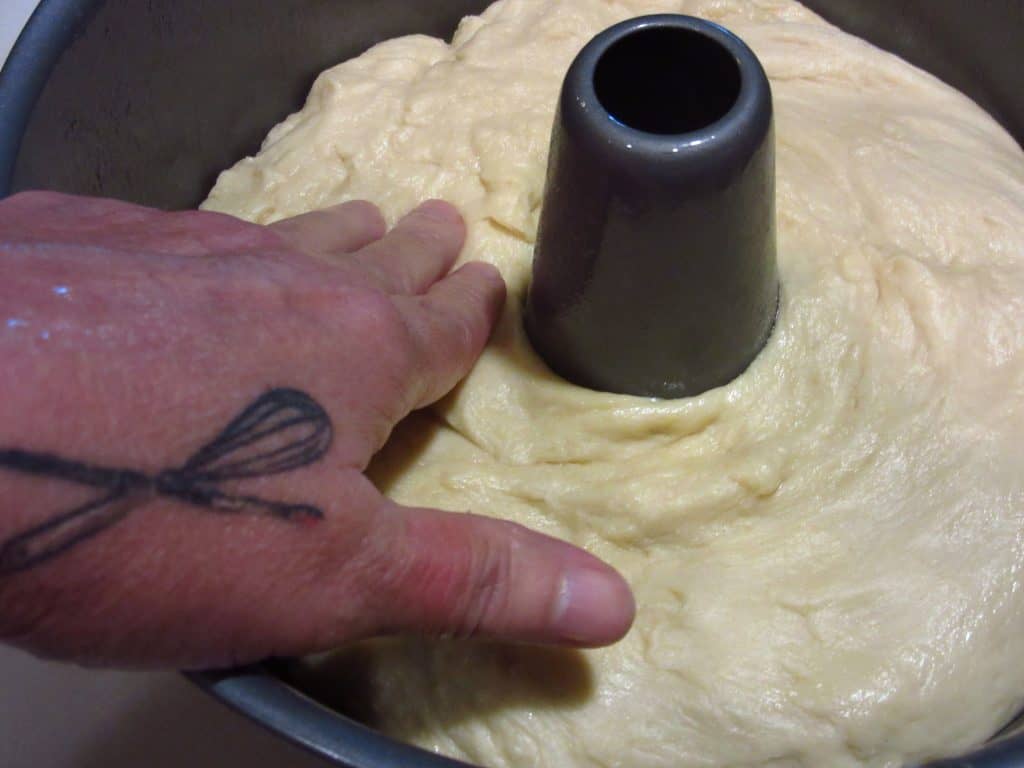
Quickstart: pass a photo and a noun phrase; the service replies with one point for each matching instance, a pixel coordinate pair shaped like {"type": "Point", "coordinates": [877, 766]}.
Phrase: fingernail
{"type": "Point", "coordinates": [594, 607]}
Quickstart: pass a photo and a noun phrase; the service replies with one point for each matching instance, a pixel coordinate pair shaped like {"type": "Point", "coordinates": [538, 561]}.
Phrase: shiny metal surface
{"type": "Point", "coordinates": [148, 101]}
{"type": "Point", "coordinates": [658, 221]}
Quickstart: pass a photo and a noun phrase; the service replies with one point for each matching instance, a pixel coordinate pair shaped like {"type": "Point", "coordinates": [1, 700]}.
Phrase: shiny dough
{"type": "Point", "coordinates": [827, 553]}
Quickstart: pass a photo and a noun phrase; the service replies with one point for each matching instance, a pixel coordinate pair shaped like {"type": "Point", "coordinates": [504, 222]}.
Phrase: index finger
{"type": "Point", "coordinates": [451, 325]}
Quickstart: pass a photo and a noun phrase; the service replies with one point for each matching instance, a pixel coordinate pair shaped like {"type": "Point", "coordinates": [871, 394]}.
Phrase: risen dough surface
{"type": "Point", "coordinates": [828, 552]}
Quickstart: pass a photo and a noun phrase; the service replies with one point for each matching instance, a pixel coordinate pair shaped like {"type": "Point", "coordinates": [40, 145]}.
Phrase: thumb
{"type": "Point", "coordinates": [466, 575]}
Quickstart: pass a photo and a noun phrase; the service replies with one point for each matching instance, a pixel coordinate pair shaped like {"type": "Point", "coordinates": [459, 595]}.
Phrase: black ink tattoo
{"type": "Point", "coordinates": [283, 430]}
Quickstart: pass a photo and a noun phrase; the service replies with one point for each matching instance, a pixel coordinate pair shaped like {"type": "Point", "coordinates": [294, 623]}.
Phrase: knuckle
{"type": "Point", "coordinates": [374, 317]}
{"type": "Point", "coordinates": [465, 334]}
{"type": "Point", "coordinates": [423, 231]}
{"type": "Point", "coordinates": [453, 581]}
{"type": "Point", "coordinates": [367, 212]}
{"type": "Point", "coordinates": [487, 592]}
{"type": "Point", "coordinates": [441, 355]}
{"type": "Point", "coordinates": [417, 239]}
{"type": "Point", "coordinates": [219, 231]}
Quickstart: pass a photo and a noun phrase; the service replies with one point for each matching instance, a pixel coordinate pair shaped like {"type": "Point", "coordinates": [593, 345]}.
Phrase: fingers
{"type": "Point", "coordinates": [335, 231]}
{"type": "Point", "coordinates": [468, 576]}
{"type": "Point", "coordinates": [418, 251]}
{"type": "Point", "coordinates": [451, 324]}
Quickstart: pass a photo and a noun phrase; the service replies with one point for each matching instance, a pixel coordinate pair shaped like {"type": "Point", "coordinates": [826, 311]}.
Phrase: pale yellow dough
{"type": "Point", "coordinates": [827, 553]}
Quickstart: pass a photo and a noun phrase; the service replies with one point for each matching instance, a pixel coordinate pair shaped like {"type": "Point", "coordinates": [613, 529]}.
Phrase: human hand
{"type": "Point", "coordinates": [135, 336]}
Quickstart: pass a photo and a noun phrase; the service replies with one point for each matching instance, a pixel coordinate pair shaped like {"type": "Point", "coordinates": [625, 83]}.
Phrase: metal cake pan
{"type": "Point", "coordinates": [149, 101]}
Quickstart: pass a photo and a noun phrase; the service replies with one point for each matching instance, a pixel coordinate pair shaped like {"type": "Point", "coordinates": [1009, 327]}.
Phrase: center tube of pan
{"type": "Point", "coordinates": [655, 270]}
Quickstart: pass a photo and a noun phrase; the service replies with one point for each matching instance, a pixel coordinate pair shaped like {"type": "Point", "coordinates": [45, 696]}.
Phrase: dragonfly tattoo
{"type": "Point", "coordinates": [281, 431]}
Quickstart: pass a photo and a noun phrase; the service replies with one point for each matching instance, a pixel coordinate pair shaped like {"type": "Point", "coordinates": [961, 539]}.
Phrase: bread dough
{"type": "Point", "coordinates": [827, 553]}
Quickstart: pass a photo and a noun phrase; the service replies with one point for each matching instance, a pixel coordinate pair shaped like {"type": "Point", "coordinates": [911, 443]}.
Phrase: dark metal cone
{"type": "Point", "coordinates": [655, 270]}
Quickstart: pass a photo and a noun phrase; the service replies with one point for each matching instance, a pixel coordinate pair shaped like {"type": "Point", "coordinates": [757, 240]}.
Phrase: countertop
{"type": "Point", "coordinates": [60, 716]}
{"type": "Point", "coordinates": [13, 14]}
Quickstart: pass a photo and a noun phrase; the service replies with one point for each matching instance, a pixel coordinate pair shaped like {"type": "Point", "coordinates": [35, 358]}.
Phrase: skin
{"type": "Point", "coordinates": [130, 337]}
